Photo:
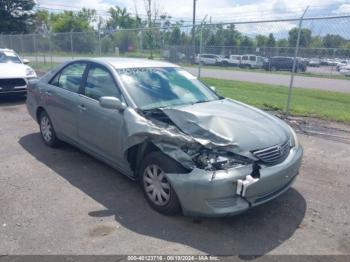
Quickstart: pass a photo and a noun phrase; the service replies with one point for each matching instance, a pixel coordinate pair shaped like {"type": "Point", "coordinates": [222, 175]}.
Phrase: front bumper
{"type": "Point", "coordinates": [213, 193]}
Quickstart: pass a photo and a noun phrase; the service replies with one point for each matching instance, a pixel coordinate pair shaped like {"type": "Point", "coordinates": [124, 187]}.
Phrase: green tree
{"type": "Point", "coordinates": [282, 43]}
{"type": "Point", "coordinates": [70, 21]}
{"type": "Point", "coordinates": [333, 41]}
{"type": "Point", "coordinates": [76, 30]}
{"type": "Point", "coordinates": [305, 37]}
{"type": "Point", "coordinates": [16, 15]}
{"type": "Point", "coordinates": [247, 42]}
{"type": "Point", "coordinates": [271, 41]}
{"type": "Point", "coordinates": [175, 37]}
{"type": "Point", "coordinates": [41, 22]}
{"type": "Point", "coordinates": [316, 42]}
{"type": "Point", "coordinates": [120, 18]}
{"type": "Point", "coordinates": [261, 40]}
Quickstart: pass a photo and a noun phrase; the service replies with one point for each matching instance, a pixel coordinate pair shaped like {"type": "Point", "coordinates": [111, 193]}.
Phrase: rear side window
{"type": "Point", "coordinates": [70, 77]}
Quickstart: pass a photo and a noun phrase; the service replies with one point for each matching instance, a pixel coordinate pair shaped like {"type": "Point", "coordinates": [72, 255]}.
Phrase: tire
{"type": "Point", "coordinates": [166, 201]}
{"type": "Point", "coordinates": [47, 131]}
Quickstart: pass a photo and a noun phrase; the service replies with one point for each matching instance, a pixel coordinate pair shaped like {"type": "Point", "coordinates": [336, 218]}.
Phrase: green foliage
{"type": "Point", "coordinates": [126, 41]}
{"type": "Point", "coordinates": [16, 15]}
{"type": "Point", "coordinates": [305, 37]}
{"type": "Point", "coordinates": [121, 19]}
{"type": "Point", "coordinates": [70, 21]}
{"type": "Point", "coordinates": [282, 43]}
{"type": "Point", "coordinates": [271, 41]}
{"type": "Point", "coordinates": [247, 42]}
{"type": "Point", "coordinates": [333, 41]}
{"type": "Point", "coordinates": [175, 37]}
{"type": "Point", "coordinates": [261, 40]}
{"type": "Point", "coordinates": [305, 102]}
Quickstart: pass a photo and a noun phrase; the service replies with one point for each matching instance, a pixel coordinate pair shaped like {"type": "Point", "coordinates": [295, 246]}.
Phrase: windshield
{"type": "Point", "coordinates": [9, 57]}
{"type": "Point", "coordinates": [164, 87]}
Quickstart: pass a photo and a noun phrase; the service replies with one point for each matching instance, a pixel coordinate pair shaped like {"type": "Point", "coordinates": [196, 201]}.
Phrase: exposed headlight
{"type": "Point", "coordinates": [294, 141]}
{"type": "Point", "coordinates": [218, 160]}
{"type": "Point", "coordinates": [30, 72]}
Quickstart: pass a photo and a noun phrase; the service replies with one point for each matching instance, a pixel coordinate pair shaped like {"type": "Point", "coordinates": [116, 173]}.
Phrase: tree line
{"type": "Point", "coordinates": [20, 16]}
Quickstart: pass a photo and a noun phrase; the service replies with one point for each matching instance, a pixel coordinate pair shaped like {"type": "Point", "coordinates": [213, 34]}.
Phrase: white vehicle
{"type": "Point", "coordinates": [341, 64]}
{"type": "Point", "coordinates": [345, 70]}
{"type": "Point", "coordinates": [14, 73]}
{"type": "Point", "coordinates": [315, 62]}
{"type": "Point", "coordinates": [209, 59]}
{"type": "Point", "coordinates": [252, 61]}
{"type": "Point", "coordinates": [232, 60]}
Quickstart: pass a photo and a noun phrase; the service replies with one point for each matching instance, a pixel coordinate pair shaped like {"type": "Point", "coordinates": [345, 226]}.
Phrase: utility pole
{"type": "Point", "coordinates": [194, 32]}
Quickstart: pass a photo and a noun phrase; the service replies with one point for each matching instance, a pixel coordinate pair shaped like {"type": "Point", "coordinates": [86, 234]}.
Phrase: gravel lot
{"type": "Point", "coordinates": [62, 201]}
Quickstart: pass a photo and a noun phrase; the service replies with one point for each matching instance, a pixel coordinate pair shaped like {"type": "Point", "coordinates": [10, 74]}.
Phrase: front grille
{"type": "Point", "coordinates": [274, 154]}
{"type": "Point", "coordinates": [11, 83]}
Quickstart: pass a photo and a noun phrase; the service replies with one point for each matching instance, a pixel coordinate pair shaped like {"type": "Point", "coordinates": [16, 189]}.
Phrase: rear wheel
{"type": "Point", "coordinates": [47, 131]}
{"type": "Point", "coordinates": [156, 187]}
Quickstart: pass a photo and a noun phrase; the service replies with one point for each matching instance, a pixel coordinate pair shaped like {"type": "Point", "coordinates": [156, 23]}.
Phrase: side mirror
{"type": "Point", "coordinates": [112, 102]}
{"type": "Point", "coordinates": [25, 61]}
{"type": "Point", "coordinates": [213, 88]}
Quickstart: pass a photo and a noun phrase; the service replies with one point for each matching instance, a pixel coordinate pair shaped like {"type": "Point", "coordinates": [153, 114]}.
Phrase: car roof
{"type": "Point", "coordinates": [121, 62]}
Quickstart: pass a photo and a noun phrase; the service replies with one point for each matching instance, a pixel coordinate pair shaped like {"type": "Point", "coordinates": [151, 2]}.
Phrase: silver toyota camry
{"type": "Point", "coordinates": [191, 150]}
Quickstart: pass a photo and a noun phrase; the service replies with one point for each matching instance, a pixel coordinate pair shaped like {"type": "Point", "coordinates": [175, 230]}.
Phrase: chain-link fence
{"type": "Point", "coordinates": [314, 47]}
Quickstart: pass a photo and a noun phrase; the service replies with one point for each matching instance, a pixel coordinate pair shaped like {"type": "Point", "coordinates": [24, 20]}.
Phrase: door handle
{"type": "Point", "coordinates": [48, 93]}
{"type": "Point", "coordinates": [82, 107]}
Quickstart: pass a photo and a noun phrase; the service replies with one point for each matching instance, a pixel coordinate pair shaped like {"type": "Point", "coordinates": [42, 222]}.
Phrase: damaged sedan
{"type": "Point", "coordinates": [191, 150]}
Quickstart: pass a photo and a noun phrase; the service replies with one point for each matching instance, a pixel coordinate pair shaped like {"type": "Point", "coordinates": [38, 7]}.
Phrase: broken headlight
{"type": "Point", "coordinates": [218, 160]}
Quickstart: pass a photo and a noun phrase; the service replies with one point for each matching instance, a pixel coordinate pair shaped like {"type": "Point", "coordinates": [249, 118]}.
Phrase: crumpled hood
{"type": "Point", "coordinates": [229, 123]}
{"type": "Point", "coordinates": [13, 70]}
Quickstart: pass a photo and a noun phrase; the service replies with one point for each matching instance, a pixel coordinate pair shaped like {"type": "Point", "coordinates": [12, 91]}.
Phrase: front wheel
{"type": "Point", "coordinates": [47, 131]}
{"type": "Point", "coordinates": [156, 187]}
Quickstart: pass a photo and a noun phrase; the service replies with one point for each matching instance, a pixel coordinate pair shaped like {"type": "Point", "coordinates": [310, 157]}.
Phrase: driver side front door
{"type": "Point", "coordinates": [100, 129]}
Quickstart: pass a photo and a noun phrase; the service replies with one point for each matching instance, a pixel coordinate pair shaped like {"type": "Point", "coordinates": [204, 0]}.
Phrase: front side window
{"type": "Point", "coordinates": [164, 87]}
{"type": "Point", "coordinates": [100, 83]}
{"type": "Point", "coordinates": [70, 77]}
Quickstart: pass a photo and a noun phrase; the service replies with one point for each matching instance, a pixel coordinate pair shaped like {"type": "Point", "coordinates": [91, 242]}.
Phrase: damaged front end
{"type": "Point", "coordinates": [222, 178]}
{"type": "Point", "coordinates": [209, 153]}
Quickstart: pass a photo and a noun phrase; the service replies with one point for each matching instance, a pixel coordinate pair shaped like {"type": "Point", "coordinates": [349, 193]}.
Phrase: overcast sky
{"type": "Point", "coordinates": [218, 9]}
{"type": "Point", "coordinates": [229, 10]}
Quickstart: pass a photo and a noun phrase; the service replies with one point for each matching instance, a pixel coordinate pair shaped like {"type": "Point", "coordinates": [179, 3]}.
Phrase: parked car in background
{"type": "Point", "coordinates": [173, 55]}
{"type": "Point", "coordinates": [284, 63]}
{"type": "Point", "coordinates": [345, 70]}
{"type": "Point", "coordinates": [14, 73]}
{"type": "Point", "coordinates": [232, 60]}
{"type": "Point", "coordinates": [331, 62]}
{"type": "Point", "coordinates": [252, 61]}
{"type": "Point", "coordinates": [209, 59]}
{"type": "Point", "coordinates": [341, 64]}
{"type": "Point", "coordinates": [190, 149]}
{"type": "Point", "coordinates": [314, 62]}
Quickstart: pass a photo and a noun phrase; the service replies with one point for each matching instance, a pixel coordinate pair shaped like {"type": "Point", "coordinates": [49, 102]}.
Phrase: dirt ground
{"type": "Point", "coordinates": [62, 201]}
